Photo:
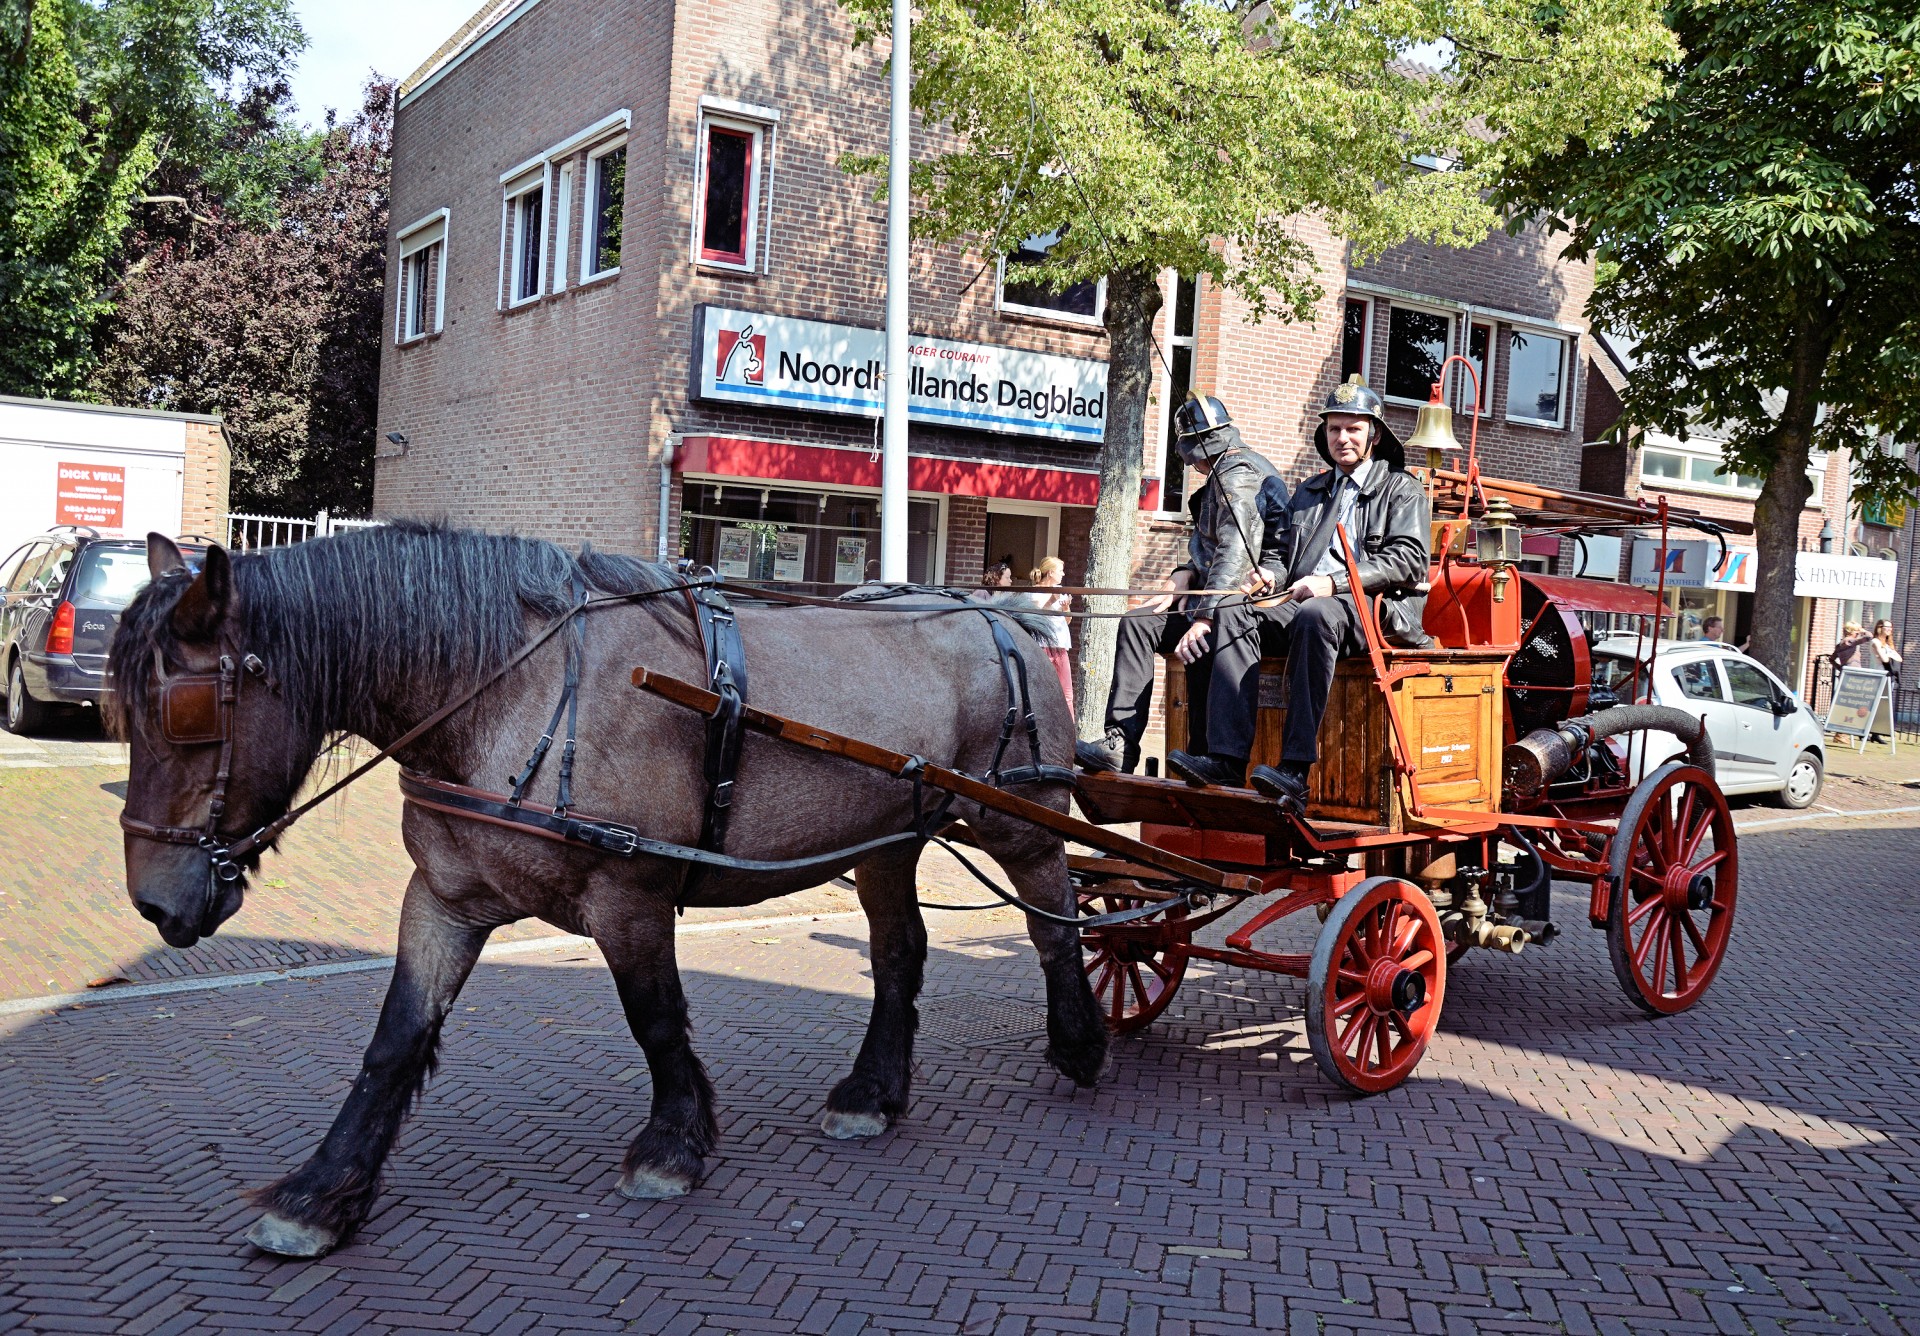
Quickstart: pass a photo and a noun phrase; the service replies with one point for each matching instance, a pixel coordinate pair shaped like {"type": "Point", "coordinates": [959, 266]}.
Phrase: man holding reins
{"type": "Point", "coordinates": [1239, 521]}
{"type": "Point", "coordinates": [1314, 621]}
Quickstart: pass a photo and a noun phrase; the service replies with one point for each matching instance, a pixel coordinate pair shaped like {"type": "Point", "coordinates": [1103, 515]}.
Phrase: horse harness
{"type": "Point", "coordinates": [199, 709]}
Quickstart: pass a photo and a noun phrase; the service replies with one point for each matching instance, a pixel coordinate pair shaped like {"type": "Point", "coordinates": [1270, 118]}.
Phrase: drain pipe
{"type": "Point", "coordinates": [666, 491]}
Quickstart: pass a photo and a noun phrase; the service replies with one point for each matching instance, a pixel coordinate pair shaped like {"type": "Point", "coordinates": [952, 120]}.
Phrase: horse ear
{"type": "Point", "coordinates": [198, 614]}
{"type": "Point", "coordinates": [163, 555]}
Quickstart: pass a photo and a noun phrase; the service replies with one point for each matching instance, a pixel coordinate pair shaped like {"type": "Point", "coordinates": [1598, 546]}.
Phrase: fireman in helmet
{"type": "Point", "coordinates": [1239, 517]}
{"type": "Point", "coordinates": [1310, 615]}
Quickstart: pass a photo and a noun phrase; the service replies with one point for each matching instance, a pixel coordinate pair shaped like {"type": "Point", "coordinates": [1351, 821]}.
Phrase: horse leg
{"type": "Point", "coordinates": [316, 1206]}
{"type": "Point", "coordinates": [1036, 863]}
{"type": "Point", "coordinates": [669, 1155]}
{"type": "Point", "coordinates": [875, 1094]}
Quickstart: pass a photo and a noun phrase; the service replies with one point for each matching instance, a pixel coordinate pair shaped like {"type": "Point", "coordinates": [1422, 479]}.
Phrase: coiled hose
{"type": "Point", "coordinates": [1548, 753]}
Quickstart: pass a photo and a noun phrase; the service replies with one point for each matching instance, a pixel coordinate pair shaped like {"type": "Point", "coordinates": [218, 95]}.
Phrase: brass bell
{"type": "Point", "coordinates": [1433, 431]}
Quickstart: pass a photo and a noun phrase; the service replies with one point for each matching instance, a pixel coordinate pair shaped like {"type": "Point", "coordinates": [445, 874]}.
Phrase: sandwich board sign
{"type": "Point", "coordinates": [1862, 704]}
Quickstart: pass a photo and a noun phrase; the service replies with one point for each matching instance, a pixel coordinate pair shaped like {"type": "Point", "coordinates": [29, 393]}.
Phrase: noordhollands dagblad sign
{"type": "Point", "coordinates": [748, 357]}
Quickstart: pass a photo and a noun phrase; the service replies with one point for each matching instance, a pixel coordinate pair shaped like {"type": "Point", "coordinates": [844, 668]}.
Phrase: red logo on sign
{"type": "Point", "coordinates": [91, 494]}
{"type": "Point", "coordinates": [740, 356]}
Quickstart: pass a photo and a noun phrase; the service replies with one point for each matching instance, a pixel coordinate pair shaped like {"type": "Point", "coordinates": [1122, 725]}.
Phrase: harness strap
{"type": "Point", "coordinates": [727, 678]}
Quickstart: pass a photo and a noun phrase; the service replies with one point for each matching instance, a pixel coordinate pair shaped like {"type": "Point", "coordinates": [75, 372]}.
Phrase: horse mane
{"type": "Point", "coordinates": [346, 619]}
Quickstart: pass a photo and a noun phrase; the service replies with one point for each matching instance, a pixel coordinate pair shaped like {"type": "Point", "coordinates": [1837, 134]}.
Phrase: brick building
{"type": "Point", "coordinates": [634, 299]}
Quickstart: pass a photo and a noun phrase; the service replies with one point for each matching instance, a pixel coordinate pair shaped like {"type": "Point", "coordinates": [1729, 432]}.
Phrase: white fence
{"type": "Point", "coordinates": [246, 533]}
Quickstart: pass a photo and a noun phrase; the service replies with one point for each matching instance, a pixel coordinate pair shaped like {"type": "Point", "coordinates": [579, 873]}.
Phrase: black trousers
{"type": "Point", "coordinates": [1143, 637]}
{"type": "Point", "coordinates": [1313, 635]}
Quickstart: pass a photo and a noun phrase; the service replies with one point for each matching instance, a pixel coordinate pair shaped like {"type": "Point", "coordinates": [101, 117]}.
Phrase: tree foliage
{"type": "Point", "coordinates": [1197, 136]}
{"type": "Point", "coordinates": [1762, 233]}
{"type": "Point", "coordinates": [94, 95]}
{"type": "Point", "coordinates": [274, 327]}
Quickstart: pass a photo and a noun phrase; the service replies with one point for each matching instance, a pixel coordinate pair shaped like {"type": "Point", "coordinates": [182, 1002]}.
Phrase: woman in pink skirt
{"type": "Point", "coordinates": [1057, 638]}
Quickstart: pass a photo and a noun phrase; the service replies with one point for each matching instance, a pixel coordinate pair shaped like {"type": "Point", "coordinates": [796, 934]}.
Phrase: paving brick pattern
{"type": "Point", "coordinates": [1559, 1164]}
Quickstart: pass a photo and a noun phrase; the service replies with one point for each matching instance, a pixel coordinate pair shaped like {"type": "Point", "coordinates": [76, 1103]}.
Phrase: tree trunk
{"type": "Point", "coordinates": [1776, 514]}
{"type": "Point", "coordinates": [1133, 300]}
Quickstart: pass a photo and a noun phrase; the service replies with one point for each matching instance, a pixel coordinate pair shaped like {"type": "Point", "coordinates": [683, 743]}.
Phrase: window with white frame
{"type": "Point", "coordinates": [1173, 469]}
{"type": "Point", "coordinates": [1418, 342]}
{"type": "Point", "coordinates": [1536, 377]}
{"type": "Point", "coordinates": [606, 210]}
{"type": "Point", "coordinates": [1079, 303]}
{"type": "Point", "coordinates": [1356, 331]}
{"type": "Point", "coordinates": [563, 182]}
{"type": "Point", "coordinates": [1479, 351]}
{"type": "Point", "coordinates": [726, 221]}
{"type": "Point", "coordinates": [423, 279]}
{"type": "Point", "coordinates": [525, 237]}
{"type": "Point", "coordinates": [1697, 465]}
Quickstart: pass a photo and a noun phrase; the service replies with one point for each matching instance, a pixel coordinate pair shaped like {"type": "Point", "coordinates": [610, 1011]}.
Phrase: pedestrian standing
{"type": "Point", "coordinates": [1884, 649]}
{"type": "Point", "coordinates": [1852, 638]}
{"type": "Point", "coordinates": [1057, 635]}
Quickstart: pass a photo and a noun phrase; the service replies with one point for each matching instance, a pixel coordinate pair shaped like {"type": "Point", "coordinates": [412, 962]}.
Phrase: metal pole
{"type": "Point", "coordinates": [893, 455]}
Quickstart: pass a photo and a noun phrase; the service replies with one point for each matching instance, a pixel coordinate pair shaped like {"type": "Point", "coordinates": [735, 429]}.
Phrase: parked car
{"type": "Point", "coordinates": [60, 600]}
{"type": "Point", "coordinates": [1765, 739]}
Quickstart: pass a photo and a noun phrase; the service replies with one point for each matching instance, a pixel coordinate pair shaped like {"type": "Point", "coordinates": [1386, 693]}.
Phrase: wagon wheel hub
{"type": "Point", "coordinates": [1390, 987]}
{"type": "Point", "coordinates": [1684, 889]}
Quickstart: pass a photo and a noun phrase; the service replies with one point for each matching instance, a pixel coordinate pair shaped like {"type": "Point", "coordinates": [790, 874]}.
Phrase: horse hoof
{"type": "Point", "coordinates": [842, 1126]}
{"type": "Point", "coordinates": [653, 1185]}
{"type": "Point", "coordinates": [285, 1238]}
{"type": "Point", "coordinates": [1084, 1068]}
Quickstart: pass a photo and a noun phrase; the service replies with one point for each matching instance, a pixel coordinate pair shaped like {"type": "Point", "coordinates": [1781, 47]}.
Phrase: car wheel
{"type": "Point", "coordinates": [24, 714]}
{"type": "Point", "coordinates": [1803, 781]}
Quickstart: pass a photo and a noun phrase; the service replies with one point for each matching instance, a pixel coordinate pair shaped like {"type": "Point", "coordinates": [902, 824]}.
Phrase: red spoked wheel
{"type": "Point", "coordinates": [1133, 968]}
{"type": "Point", "coordinates": [1375, 985]}
{"type": "Point", "coordinates": [1676, 874]}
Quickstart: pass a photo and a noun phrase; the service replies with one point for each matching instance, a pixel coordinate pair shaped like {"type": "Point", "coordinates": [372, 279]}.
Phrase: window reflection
{"type": "Point", "coordinates": [1417, 343]}
{"type": "Point", "coordinates": [794, 536]}
{"type": "Point", "coordinates": [1534, 362]}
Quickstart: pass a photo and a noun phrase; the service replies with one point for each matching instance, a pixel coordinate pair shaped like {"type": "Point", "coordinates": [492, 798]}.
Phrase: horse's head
{"type": "Point", "coordinates": [214, 752]}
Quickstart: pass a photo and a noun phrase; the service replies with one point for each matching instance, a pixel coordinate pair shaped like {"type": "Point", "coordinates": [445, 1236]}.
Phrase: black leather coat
{"type": "Point", "coordinates": [1239, 521]}
{"type": "Point", "coordinates": [1391, 531]}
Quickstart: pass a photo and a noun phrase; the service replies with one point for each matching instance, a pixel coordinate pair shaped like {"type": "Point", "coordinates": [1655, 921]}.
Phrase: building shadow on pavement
{"type": "Point", "coordinates": [1556, 1164]}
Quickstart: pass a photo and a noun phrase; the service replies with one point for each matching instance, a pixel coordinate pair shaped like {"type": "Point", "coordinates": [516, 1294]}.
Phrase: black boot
{"type": "Point", "coordinates": [1286, 785]}
{"type": "Point", "coordinates": [1108, 754]}
{"type": "Point", "coordinates": [1223, 772]}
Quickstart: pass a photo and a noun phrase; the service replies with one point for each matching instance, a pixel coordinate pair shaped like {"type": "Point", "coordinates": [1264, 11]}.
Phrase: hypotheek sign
{"type": "Point", "coordinates": [747, 357]}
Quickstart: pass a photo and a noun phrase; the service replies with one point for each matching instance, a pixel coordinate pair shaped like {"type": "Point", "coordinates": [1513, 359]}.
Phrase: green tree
{"type": "Point", "coordinates": [1156, 134]}
{"type": "Point", "coordinates": [94, 96]}
{"type": "Point", "coordinates": [1762, 234]}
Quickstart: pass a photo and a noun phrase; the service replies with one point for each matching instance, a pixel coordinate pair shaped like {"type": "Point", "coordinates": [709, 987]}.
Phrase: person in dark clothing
{"type": "Point", "coordinates": [1367, 491]}
{"type": "Point", "coordinates": [1239, 517]}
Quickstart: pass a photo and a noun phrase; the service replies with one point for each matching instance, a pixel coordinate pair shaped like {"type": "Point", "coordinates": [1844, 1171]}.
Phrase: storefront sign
{"type": "Point", "coordinates": [1860, 698]}
{"type": "Point", "coordinates": [1596, 556]}
{"type": "Point", "coordinates": [1826, 575]}
{"type": "Point", "coordinates": [1694, 563]}
{"type": "Point", "coordinates": [747, 357]}
{"type": "Point", "coordinates": [91, 494]}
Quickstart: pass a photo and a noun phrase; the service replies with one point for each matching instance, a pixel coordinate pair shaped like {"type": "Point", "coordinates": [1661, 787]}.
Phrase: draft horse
{"type": "Point", "coordinates": [371, 633]}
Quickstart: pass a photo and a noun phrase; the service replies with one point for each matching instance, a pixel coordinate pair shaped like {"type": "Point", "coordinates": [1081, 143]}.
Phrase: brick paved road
{"type": "Point", "coordinates": [1558, 1164]}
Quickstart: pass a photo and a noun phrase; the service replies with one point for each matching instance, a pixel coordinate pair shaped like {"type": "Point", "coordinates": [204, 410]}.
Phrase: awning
{"type": "Point", "coordinates": [1594, 595]}
{"type": "Point", "coordinates": [737, 457]}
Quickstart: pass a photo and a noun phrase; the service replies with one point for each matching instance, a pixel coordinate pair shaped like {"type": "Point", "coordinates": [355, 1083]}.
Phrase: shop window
{"type": "Point", "coordinates": [1173, 469]}
{"type": "Point", "coordinates": [1536, 366]}
{"type": "Point", "coordinates": [1417, 343]}
{"type": "Point", "coordinates": [746, 531]}
{"type": "Point", "coordinates": [423, 287]}
{"type": "Point", "coordinates": [606, 212]}
{"type": "Point", "coordinates": [1082, 303]}
{"type": "Point", "coordinates": [1356, 325]}
{"type": "Point", "coordinates": [729, 193]}
{"type": "Point", "coordinates": [525, 239]}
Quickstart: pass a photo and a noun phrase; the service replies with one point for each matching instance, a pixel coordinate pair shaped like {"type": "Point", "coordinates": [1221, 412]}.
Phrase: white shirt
{"type": "Point", "coordinates": [1346, 494]}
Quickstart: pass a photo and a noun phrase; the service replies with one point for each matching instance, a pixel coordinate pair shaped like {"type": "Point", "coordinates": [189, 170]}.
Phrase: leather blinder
{"type": "Point", "coordinates": [190, 710]}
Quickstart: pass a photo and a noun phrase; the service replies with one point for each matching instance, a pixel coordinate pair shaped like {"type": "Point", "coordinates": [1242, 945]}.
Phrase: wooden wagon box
{"type": "Point", "coordinates": [1452, 715]}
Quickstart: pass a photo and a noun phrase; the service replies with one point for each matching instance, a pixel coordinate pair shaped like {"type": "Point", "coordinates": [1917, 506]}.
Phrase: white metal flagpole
{"type": "Point", "coordinates": [893, 456]}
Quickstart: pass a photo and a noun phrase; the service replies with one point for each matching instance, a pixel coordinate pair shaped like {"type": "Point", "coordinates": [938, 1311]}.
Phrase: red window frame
{"type": "Point", "coordinates": [748, 194]}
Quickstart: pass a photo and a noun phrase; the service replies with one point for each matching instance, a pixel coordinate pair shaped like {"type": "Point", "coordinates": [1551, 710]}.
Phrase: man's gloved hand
{"type": "Point", "coordinates": [1193, 645]}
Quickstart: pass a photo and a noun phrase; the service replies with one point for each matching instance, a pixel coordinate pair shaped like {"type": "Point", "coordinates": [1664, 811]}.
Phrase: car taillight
{"type": "Point", "coordinates": [60, 634]}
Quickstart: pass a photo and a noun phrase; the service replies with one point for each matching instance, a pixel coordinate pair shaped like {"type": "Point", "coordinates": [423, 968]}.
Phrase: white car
{"type": "Point", "coordinates": [1765, 739]}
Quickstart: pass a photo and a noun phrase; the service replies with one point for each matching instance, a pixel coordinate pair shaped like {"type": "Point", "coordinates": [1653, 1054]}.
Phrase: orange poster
{"type": "Point", "coordinates": [91, 494]}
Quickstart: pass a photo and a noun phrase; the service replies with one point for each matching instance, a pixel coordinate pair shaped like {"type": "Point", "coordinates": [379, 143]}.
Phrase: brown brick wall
{"type": "Point", "coordinates": [204, 485]}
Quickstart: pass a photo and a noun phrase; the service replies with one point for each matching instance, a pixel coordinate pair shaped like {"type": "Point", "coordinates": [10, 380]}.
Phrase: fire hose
{"type": "Point", "coordinates": [1545, 754]}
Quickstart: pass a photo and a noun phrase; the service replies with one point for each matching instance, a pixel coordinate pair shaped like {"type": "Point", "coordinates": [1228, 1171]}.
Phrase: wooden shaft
{"type": "Point", "coordinates": [948, 781]}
